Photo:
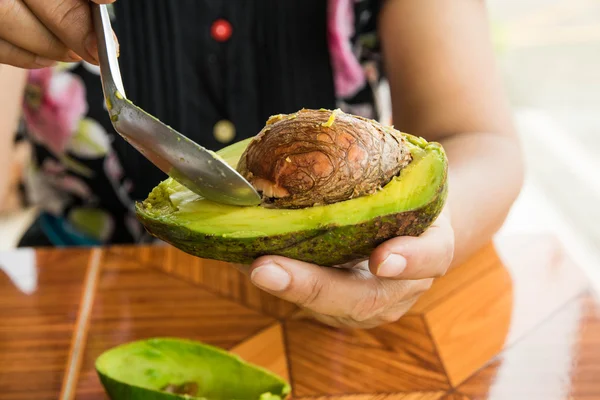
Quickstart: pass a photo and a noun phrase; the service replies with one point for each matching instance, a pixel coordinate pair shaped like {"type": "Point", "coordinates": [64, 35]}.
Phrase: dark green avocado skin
{"type": "Point", "coordinates": [118, 390]}
{"type": "Point", "coordinates": [325, 246]}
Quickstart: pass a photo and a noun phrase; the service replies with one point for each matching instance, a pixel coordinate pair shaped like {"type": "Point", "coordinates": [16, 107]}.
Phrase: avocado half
{"type": "Point", "coordinates": [327, 235]}
{"type": "Point", "coordinates": [169, 368]}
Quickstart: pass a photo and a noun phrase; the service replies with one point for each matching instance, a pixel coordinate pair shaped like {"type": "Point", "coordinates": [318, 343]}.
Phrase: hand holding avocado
{"type": "Point", "coordinates": [369, 293]}
{"type": "Point", "coordinates": [38, 33]}
{"type": "Point", "coordinates": [334, 158]}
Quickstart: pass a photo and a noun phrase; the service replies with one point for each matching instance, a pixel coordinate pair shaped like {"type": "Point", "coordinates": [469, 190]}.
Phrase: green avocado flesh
{"type": "Point", "coordinates": [325, 235]}
{"type": "Point", "coordinates": [169, 368]}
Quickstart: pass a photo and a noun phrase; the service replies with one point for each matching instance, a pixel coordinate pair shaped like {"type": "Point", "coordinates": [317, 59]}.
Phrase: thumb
{"type": "Point", "coordinates": [330, 291]}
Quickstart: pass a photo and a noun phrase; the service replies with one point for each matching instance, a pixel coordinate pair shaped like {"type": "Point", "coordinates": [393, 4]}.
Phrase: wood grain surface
{"type": "Point", "coordinates": [455, 396]}
{"type": "Point", "coordinates": [217, 277]}
{"type": "Point", "coordinates": [471, 271]}
{"type": "Point", "coordinates": [133, 302]}
{"type": "Point", "coordinates": [453, 328]}
{"type": "Point", "coordinates": [266, 349]}
{"type": "Point", "coordinates": [517, 321]}
{"type": "Point", "coordinates": [395, 358]}
{"type": "Point", "coordinates": [560, 359]}
{"type": "Point", "coordinates": [36, 329]}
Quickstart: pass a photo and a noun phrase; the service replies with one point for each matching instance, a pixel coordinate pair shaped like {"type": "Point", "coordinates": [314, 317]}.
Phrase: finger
{"type": "Point", "coordinates": [17, 57]}
{"type": "Point", "coordinates": [71, 22]}
{"type": "Point", "coordinates": [387, 317]}
{"type": "Point", "coordinates": [329, 291]}
{"type": "Point", "coordinates": [353, 294]}
{"type": "Point", "coordinates": [336, 322]}
{"type": "Point", "coordinates": [393, 314]}
{"type": "Point", "coordinates": [426, 256]}
{"type": "Point", "coordinates": [22, 28]}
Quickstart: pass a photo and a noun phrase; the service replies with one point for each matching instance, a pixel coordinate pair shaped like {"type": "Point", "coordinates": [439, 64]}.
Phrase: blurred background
{"type": "Point", "coordinates": [549, 55]}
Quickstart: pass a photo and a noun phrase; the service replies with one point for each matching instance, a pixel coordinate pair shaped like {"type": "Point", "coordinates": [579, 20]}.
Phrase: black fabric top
{"type": "Point", "coordinates": [276, 61]}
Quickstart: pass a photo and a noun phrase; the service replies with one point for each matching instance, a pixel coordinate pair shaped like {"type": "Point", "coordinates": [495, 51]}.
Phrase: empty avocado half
{"type": "Point", "coordinates": [169, 368]}
{"type": "Point", "coordinates": [334, 186]}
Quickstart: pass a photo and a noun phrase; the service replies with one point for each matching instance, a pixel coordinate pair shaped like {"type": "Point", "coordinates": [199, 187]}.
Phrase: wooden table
{"type": "Point", "coordinates": [518, 321]}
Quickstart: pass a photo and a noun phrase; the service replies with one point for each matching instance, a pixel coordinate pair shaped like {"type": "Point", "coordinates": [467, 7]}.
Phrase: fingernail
{"type": "Point", "coordinates": [91, 45]}
{"type": "Point", "coordinates": [392, 266]}
{"type": "Point", "coordinates": [71, 55]}
{"type": "Point", "coordinates": [44, 62]}
{"type": "Point", "coordinates": [271, 277]}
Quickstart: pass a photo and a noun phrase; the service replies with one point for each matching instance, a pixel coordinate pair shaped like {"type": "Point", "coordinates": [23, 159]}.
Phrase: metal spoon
{"type": "Point", "coordinates": [176, 155]}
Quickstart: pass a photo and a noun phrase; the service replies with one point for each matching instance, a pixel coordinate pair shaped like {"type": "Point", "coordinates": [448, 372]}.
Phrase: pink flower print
{"type": "Point", "coordinates": [75, 186]}
{"type": "Point", "coordinates": [134, 226]}
{"type": "Point", "coordinates": [348, 74]}
{"type": "Point", "coordinates": [112, 167]}
{"type": "Point", "coordinates": [55, 174]}
{"type": "Point", "coordinates": [52, 167]}
{"type": "Point", "coordinates": [53, 105]}
{"type": "Point", "coordinates": [128, 185]}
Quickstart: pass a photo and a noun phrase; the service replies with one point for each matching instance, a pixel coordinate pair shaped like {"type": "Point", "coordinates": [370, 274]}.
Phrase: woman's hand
{"type": "Point", "coordinates": [37, 33]}
{"type": "Point", "coordinates": [368, 293]}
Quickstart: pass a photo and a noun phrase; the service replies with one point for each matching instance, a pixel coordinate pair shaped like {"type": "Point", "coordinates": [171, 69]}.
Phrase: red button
{"type": "Point", "coordinates": [221, 30]}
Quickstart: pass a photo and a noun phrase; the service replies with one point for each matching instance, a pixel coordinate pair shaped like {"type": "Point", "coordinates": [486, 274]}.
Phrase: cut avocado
{"type": "Point", "coordinates": [326, 235]}
{"type": "Point", "coordinates": [169, 368]}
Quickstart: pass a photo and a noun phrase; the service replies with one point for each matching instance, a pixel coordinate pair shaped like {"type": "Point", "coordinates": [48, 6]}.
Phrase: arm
{"type": "Point", "coordinates": [444, 86]}
{"type": "Point", "coordinates": [12, 82]}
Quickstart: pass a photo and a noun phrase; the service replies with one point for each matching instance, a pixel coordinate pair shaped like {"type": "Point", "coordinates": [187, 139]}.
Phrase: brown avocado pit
{"type": "Point", "coordinates": [319, 157]}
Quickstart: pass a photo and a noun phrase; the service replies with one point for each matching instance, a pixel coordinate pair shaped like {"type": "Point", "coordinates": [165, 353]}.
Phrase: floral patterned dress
{"type": "Point", "coordinates": [85, 178]}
